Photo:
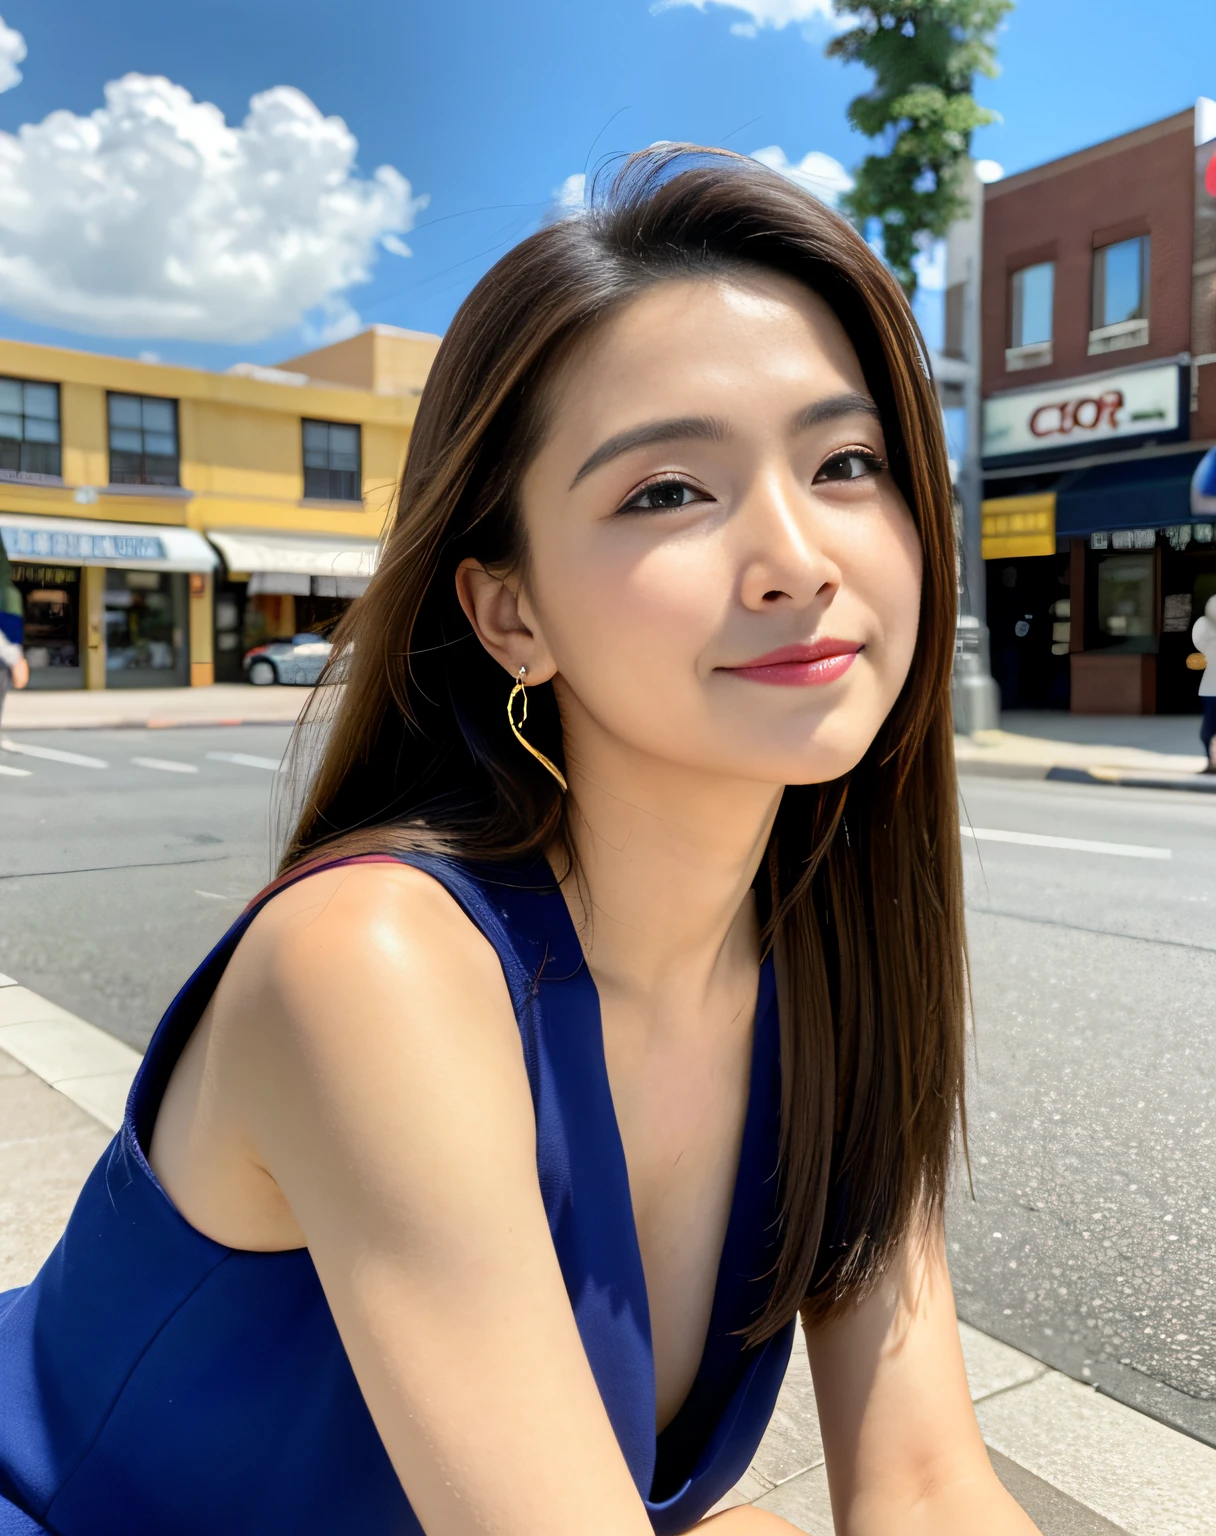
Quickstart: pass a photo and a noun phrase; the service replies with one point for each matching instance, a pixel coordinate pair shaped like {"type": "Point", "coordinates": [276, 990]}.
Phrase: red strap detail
{"type": "Point", "coordinates": [313, 867]}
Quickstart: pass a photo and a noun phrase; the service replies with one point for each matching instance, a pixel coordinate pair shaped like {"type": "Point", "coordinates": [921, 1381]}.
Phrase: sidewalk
{"type": "Point", "coordinates": [107, 708]}
{"type": "Point", "coordinates": [1150, 751]}
{"type": "Point", "coordinates": [1079, 1463]}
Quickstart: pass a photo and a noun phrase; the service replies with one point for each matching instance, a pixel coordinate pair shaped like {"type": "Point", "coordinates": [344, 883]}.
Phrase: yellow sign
{"type": "Point", "coordinates": [1017, 527]}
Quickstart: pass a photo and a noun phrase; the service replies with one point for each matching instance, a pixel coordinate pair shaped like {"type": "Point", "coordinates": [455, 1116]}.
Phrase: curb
{"type": "Point", "coordinates": [1193, 783]}
{"type": "Point", "coordinates": [1118, 778]}
{"type": "Point", "coordinates": [119, 724]}
{"type": "Point", "coordinates": [77, 1059]}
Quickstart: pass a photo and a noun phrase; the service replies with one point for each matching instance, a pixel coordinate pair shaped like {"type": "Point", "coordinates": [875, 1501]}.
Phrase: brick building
{"type": "Point", "coordinates": [1098, 375]}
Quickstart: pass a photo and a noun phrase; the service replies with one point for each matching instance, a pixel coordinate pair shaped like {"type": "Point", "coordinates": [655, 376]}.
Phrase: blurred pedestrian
{"type": "Point", "coordinates": [1203, 636]}
{"type": "Point", "coordinates": [14, 669]}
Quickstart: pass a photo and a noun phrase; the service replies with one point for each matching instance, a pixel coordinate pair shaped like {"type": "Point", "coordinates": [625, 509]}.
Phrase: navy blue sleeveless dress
{"type": "Point", "coordinates": [156, 1383]}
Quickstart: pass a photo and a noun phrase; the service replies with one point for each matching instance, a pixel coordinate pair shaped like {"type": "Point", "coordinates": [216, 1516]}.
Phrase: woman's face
{"type": "Point", "coordinates": [722, 574]}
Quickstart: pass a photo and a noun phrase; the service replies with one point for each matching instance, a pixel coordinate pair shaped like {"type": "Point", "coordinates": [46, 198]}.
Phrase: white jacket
{"type": "Point", "coordinates": [1203, 636]}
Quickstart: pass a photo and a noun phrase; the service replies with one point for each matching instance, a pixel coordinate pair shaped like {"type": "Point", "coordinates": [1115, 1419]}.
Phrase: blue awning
{"type": "Point", "coordinates": [1146, 493]}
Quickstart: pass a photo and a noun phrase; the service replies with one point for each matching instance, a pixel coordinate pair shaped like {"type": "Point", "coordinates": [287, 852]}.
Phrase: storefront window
{"type": "Point", "coordinates": [144, 624]}
{"type": "Point", "coordinates": [50, 596]}
{"type": "Point", "coordinates": [1125, 597]}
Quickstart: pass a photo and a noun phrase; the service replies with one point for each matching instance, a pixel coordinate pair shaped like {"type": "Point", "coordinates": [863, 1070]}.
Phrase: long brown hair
{"type": "Point", "coordinates": [861, 891]}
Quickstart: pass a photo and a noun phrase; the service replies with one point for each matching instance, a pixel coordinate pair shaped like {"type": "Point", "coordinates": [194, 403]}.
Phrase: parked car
{"type": "Point", "coordinates": [298, 660]}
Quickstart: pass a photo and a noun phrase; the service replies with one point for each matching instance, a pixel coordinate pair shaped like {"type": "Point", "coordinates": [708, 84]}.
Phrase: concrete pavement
{"type": "Point", "coordinates": [1153, 751]}
{"type": "Point", "coordinates": [1079, 1463]}
{"type": "Point", "coordinates": [120, 708]}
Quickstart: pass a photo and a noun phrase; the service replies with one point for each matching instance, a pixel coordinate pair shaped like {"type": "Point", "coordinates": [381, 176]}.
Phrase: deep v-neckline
{"type": "Point", "coordinates": [761, 1022]}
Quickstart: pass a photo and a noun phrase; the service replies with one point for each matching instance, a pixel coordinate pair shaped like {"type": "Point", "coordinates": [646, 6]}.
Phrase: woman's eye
{"type": "Point", "coordinates": [662, 496]}
{"type": "Point", "coordinates": [854, 464]}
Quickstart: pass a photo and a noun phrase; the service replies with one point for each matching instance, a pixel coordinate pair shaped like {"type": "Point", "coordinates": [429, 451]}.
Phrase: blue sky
{"type": "Point", "coordinates": [485, 109]}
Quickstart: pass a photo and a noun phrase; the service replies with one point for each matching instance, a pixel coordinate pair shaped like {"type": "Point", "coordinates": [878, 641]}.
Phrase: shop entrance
{"type": "Point", "coordinates": [50, 599]}
{"type": "Point", "coordinates": [145, 629]}
{"type": "Point", "coordinates": [1028, 624]}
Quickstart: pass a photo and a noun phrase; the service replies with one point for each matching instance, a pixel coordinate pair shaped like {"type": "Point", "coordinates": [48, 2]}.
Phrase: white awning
{"type": "Point", "coordinates": [294, 554]}
{"type": "Point", "coordinates": [91, 541]}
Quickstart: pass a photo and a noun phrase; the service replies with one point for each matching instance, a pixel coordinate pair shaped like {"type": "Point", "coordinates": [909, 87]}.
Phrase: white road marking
{"type": "Point", "coordinates": [165, 764]}
{"type": "Point", "coordinates": [245, 760]}
{"type": "Point", "coordinates": [1077, 844]}
{"type": "Point", "coordinates": [52, 754]}
{"type": "Point", "coordinates": [14, 773]}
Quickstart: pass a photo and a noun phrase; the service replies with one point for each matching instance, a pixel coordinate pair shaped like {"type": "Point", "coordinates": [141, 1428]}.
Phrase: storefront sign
{"type": "Point", "coordinates": [1017, 527]}
{"type": "Point", "coordinates": [23, 543]}
{"type": "Point", "coordinates": [1071, 416]}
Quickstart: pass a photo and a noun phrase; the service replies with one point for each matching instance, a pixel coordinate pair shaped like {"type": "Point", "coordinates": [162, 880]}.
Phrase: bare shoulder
{"type": "Point", "coordinates": [385, 913]}
{"type": "Point", "coordinates": [356, 983]}
{"type": "Point", "coordinates": [336, 942]}
{"type": "Point", "coordinates": [358, 1000]}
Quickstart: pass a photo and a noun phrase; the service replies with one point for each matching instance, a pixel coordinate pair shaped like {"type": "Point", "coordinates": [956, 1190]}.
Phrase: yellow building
{"type": "Point", "coordinates": [159, 520]}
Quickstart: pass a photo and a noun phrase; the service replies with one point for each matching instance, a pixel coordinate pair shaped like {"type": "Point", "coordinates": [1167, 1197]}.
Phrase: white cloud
{"type": "Point", "coordinates": [763, 13]}
{"type": "Point", "coordinates": [571, 196]}
{"type": "Point", "coordinates": [989, 170]}
{"type": "Point", "coordinates": [12, 52]}
{"type": "Point", "coordinates": [815, 173]}
{"type": "Point", "coordinates": [153, 217]}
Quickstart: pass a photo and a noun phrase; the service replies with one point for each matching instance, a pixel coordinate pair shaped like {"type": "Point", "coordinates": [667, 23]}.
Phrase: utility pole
{"type": "Point", "coordinates": [975, 694]}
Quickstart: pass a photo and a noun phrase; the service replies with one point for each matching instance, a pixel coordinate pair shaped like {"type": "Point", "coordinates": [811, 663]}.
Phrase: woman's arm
{"type": "Point", "coordinates": [903, 1449]}
{"type": "Point", "coordinates": [383, 1089]}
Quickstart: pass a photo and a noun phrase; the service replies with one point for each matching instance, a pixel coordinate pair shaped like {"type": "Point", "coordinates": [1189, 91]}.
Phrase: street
{"type": "Point", "coordinates": [115, 880]}
{"type": "Point", "coordinates": [1091, 1105]}
{"type": "Point", "coordinates": [1092, 1132]}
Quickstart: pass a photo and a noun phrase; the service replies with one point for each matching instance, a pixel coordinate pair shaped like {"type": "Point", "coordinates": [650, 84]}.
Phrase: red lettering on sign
{"type": "Point", "coordinates": [1087, 414]}
{"type": "Point", "coordinates": [1209, 179]}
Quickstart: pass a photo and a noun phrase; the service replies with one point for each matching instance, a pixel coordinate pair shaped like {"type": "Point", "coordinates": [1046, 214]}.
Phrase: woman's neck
{"type": "Point", "coordinates": [666, 859]}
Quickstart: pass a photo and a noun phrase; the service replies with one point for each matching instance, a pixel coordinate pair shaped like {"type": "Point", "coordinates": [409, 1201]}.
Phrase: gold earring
{"type": "Point", "coordinates": [527, 745]}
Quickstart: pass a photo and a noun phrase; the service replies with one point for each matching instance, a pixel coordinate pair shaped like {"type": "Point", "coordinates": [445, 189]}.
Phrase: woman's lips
{"type": "Point", "coordinates": [800, 666]}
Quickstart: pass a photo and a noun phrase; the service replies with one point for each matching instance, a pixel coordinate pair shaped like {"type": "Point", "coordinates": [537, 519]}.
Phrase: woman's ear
{"type": "Point", "coordinates": [495, 608]}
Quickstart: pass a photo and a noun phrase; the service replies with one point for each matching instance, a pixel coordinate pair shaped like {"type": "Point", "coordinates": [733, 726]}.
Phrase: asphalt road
{"type": "Point", "coordinates": [1091, 1240]}
{"type": "Point", "coordinates": [116, 880]}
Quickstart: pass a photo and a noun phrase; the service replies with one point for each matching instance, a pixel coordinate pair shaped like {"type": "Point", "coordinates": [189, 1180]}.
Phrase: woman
{"type": "Point", "coordinates": [608, 1012]}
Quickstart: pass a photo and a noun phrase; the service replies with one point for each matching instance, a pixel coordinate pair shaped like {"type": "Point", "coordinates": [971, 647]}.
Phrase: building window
{"type": "Point", "coordinates": [143, 440]}
{"type": "Point", "coordinates": [1121, 282]}
{"type": "Point", "coordinates": [332, 471]}
{"type": "Point", "coordinates": [1032, 290]}
{"type": "Point", "coordinates": [1031, 299]}
{"type": "Point", "coordinates": [1120, 287]}
{"type": "Point", "coordinates": [29, 427]}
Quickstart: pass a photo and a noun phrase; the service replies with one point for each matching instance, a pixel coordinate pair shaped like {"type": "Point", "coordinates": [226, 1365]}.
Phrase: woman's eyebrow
{"type": "Point", "coordinates": [851, 404]}
{"type": "Point", "coordinates": [704, 428]}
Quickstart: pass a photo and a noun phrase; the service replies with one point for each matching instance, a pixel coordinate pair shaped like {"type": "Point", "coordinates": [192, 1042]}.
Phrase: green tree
{"type": "Point", "coordinates": [925, 55]}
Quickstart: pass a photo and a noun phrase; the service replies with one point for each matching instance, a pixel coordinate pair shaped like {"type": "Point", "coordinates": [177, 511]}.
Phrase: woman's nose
{"type": "Point", "coordinates": [783, 559]}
